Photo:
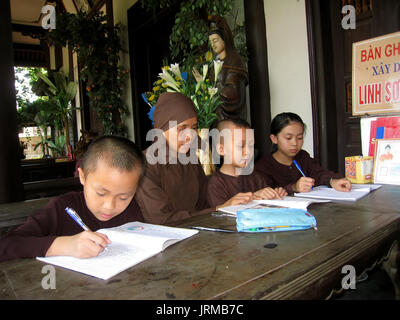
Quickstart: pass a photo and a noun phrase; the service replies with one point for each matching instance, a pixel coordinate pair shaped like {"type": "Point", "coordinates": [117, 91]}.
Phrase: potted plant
{"type": "Point", "coordinates": [61, 92]}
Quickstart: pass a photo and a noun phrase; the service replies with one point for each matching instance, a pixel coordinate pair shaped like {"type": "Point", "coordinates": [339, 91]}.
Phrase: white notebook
{"type": "Point", "coordinates": [323, 192]}
{"type": "Point", "coordinates": [286, 202]}
{"type": "Point", "coordinates": [131, 244]}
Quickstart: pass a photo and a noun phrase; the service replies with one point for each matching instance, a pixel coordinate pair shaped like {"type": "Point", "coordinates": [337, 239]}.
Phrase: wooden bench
{"type": "Point", "coordinates": [37, 195]}
{"type": "Point", "coordinates": [15, 213]}
{"type": "Point", "coordinates": [51, 187]}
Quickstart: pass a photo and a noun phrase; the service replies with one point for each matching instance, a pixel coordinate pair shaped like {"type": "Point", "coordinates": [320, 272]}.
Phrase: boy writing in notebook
{"type": "Point", "coordinates": [236, 183]}
{"type": "Point", "coordinates": [109, 172]}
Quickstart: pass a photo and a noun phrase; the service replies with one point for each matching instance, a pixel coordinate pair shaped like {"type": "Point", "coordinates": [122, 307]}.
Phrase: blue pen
{"type": "Point", "coordinates": [298, 167]}
{"type": "Point", "coordinates": [77, 218]}
{"type": "Point", "coordinates": [72, 213]}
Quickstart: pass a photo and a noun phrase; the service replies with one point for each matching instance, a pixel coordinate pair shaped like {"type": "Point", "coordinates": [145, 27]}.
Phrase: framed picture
{"type": "Point", "coordinates": [387, 161]}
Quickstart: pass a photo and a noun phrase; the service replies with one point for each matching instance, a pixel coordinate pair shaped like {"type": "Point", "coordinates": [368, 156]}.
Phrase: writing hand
{"type": "Point", "coordinates": [304, 184]}
{"type": "Point", "coordinates": [86, 244]}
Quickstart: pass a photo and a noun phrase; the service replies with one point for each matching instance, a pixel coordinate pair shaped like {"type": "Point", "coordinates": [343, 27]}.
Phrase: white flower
{"type": "Point", "coordinates": [205, 70]}
{"type": "Point", "coordinates": [175, 69]}
{"type": "Point", "coordinates": [194, 99]}
{"type": "Point", "coordinates": [212, 91]}
{"type": "Point", "coordinates": [173, 85]}
{"type": "Point", "coordinates": [169, 80]}
{"type": "Point", "coordinates": [217, 68]}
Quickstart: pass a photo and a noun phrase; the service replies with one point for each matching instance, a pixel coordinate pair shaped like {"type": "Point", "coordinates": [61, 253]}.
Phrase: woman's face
{"type": "Point", "coordinates": [180, 137]}
{"type": "Point", "coordinates": [217, 44]}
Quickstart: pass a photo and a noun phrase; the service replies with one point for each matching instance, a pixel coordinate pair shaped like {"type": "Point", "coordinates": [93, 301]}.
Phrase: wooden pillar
{"type": "Point", "coordinates": [260, 105]}
{"type": "Point", "coordinates": [10, 178]}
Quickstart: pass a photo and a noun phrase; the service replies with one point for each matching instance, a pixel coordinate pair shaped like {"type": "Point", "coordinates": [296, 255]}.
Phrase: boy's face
{"type": "Point", "coordinates": [180, 137]}
{"type": "Point", "coordinates": [289, 139]}
{"type": "Point", "coordinates": [238, 146]}
{"type": "Point", "coordinates": [108, 191]}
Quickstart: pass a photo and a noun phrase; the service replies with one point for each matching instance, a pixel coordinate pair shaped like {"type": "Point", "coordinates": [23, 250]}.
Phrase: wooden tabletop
{"type": "Point", "coordinates": [214, 265]}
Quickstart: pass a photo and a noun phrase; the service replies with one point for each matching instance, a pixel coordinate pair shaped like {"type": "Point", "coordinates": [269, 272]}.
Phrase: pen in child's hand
{"type": "Point", "coordinates": [298, 167]}
{"type": "Point", "coordinates": [72, 213]}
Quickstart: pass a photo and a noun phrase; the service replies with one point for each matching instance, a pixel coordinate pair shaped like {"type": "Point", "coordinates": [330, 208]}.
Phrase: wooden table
{"type": "Point", "coordinates": [214, 265]}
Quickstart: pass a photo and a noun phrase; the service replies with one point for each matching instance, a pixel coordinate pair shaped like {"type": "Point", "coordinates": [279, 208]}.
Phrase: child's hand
{"type": "Point", "coordinates": [86, 244]}
{"type": "Point", "coordinates": [304, 184]}
{"type": "Point", "coordinates": [267, 194]}
{"type": "Point", "coordinates": [341, 184]}
{"type": "Point", "coordinates": [240, 198]}
{"type": "Point", "coordinates": [281, 192]}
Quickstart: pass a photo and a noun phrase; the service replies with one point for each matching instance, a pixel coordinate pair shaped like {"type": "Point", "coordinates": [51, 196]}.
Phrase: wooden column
{"type": "Point", "coordinates": [10, 178]}
{"type": "Point", "coordinates": [260, 105]}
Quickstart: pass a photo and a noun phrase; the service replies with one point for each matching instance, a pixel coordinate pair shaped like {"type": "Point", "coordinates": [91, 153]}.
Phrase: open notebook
{"type": "Point", "coordinates": [322, 192]}
{"type": "Point", "coordinates": [286, 202]}
{"type": "Point", "coordinates": [131, 244]}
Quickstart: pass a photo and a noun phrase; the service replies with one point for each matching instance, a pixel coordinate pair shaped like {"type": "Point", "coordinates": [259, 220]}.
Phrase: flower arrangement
{"type": "Point", "coordinates": [200, 90]}
{"type": "Point", "coordinates": [171, 77]}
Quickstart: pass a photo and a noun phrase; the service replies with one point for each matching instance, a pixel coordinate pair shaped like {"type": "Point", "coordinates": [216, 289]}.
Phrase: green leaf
{"type": "Point", "coordinates": [47, 81]}
{"type": "Point", "coordinates": [71, 90]}
{"type": "Point", "coordinates": [60, 80]}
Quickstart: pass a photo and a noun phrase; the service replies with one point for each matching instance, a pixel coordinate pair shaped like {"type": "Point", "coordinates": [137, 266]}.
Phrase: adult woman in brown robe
{"type": "Point", "coordinates": [171, 190]}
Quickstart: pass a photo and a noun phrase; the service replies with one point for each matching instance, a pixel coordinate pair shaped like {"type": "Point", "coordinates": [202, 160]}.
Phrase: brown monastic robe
{"type": "Point", "coordinates": [172, 191]}
{"type": "Point", "coordinates": [35, 236]}
{"type": "Point", "coordinates": [222, 187]}
{"type": "Point", "coordinates": [280, 175]}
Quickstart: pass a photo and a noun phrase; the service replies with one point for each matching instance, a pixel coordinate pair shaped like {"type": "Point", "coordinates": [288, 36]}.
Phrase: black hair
{"type": "Point", "coordinates": [281, 121]}
{"type": "Point", "coordinates": [240, 123]}
{"type": "Point", "coordinates": [388, 146]}
{"type": "Point", "coordinates": [219, 125]}
{"type": "Point", "coordinates": [119, 152]}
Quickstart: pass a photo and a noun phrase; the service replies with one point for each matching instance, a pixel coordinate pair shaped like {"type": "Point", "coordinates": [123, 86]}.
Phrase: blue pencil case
{"type": "Point", "coordinates": [274, 219]}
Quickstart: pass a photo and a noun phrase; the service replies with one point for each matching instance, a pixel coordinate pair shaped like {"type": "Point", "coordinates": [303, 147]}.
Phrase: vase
{"type": "Point", "coordinates": [204, 154]}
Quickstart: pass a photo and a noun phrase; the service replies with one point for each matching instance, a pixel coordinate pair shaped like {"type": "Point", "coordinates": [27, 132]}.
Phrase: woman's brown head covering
{"type": "Point", "coordinates": [172, 106]}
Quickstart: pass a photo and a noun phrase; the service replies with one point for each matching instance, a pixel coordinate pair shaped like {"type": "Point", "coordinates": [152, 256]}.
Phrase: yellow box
{"type": "Point", "coordinates": [359, 169]}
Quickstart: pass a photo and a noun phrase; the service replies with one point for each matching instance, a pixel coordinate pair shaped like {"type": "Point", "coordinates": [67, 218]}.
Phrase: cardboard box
{"type": "Point", "coordinates": [359, 169]}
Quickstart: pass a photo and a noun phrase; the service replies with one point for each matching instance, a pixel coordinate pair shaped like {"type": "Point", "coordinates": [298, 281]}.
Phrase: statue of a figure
{"type": "Point", "coordinates": [233, 78]}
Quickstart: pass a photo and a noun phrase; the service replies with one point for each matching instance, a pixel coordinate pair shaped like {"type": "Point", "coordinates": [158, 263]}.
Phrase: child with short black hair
{"type": "Point", "coordinates": [236, 182]}
{"type": "Point", "coordinates": [110, 173]}
{"type": "Point", "coordinates": [279, 169]}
